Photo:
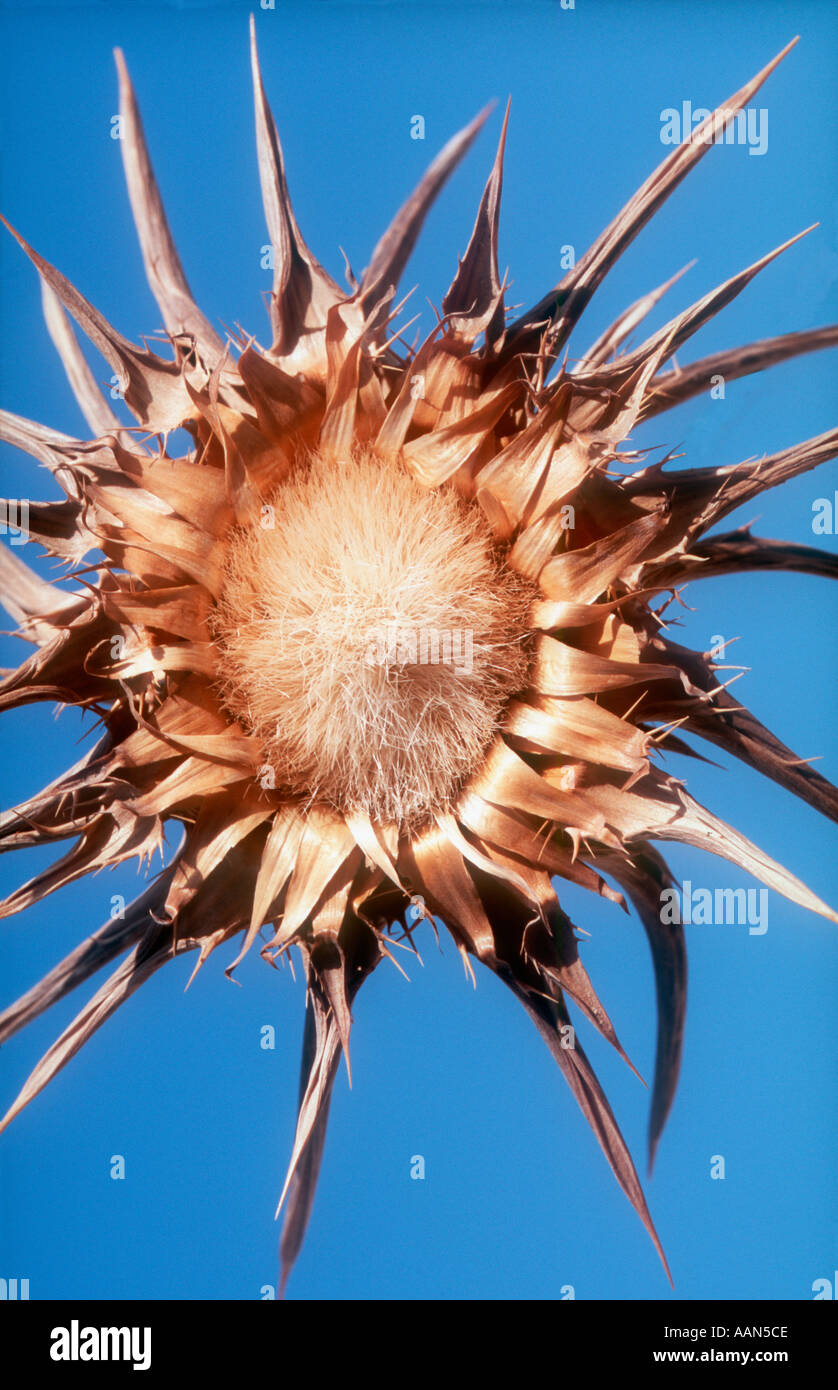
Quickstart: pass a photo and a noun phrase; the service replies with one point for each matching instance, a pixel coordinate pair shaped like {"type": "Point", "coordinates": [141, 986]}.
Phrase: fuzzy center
{"type": "Point", "coordinates": [370, 637]}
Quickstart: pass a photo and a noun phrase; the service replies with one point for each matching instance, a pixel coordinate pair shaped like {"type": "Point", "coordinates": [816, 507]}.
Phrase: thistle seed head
{"type": "Point", "coordinates": [370, 635]}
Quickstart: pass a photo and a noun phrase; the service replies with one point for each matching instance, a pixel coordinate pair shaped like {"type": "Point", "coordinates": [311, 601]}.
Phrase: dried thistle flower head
{"type": "Point", "coordinates": [370, 638]}
{"type": "Point", "coordinates": [391, 630]}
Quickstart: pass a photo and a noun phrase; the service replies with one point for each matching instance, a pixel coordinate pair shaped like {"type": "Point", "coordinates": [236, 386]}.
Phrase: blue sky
{"type": "Point", "coordinates": [517, 1200]}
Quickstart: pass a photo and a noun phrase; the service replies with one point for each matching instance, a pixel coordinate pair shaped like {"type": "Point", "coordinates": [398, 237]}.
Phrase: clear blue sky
{"type": "Point", "coordinates": [517, 1200]}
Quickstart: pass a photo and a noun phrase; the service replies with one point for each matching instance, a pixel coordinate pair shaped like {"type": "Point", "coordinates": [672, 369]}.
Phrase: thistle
{"type": "Point", "coordinates": [389, 642]}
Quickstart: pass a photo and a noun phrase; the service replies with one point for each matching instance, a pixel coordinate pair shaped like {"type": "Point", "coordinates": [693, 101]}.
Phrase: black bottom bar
{"type": "Point", "coordinates": [60, 1340]}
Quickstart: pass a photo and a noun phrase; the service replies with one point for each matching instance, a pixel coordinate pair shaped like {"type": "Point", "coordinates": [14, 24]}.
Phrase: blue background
{"type": "Point", "coordinates": [517, 1199]}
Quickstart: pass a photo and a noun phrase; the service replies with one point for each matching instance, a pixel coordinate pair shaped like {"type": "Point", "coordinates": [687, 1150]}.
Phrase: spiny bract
{"type": "Point", "coordinates": [456, 498]}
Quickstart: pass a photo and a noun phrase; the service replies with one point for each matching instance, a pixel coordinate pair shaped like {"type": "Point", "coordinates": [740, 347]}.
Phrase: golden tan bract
{"type": "Point", "coordinates": [548, 772]}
